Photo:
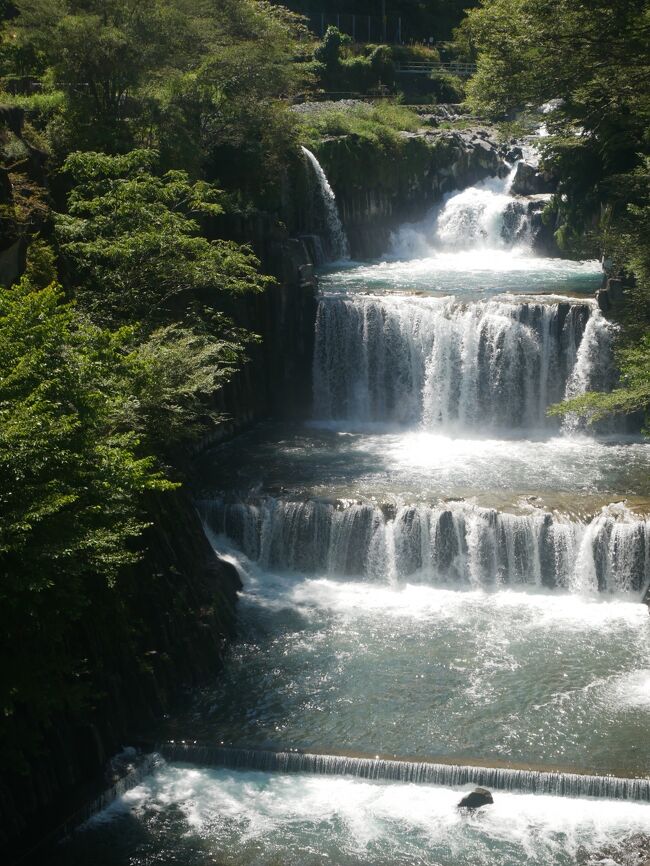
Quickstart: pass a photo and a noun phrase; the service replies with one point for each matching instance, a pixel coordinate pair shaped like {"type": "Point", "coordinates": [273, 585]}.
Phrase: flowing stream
{"type": "Point", "coordinates": [442, 584]}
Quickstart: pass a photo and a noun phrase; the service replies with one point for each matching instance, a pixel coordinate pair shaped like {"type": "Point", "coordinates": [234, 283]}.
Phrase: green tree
{"type": "Point", "coordinates": [102, 53]}
{"type": "Point", "coordinates": [71, 488]}
{"type": "Point", "coordinates": [133, 246]}
{"type": "Point", "coordinates": [203, 82]}
{"type": "Point", "coordinates": [235, 102]}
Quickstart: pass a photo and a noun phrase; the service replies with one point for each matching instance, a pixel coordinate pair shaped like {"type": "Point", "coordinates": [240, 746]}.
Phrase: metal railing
{"type": "Point", "coordinates": [426, 67]}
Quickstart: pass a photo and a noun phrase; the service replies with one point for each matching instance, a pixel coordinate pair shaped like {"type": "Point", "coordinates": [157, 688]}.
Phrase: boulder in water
{"type": "Point", "coordinates": [476, 798]}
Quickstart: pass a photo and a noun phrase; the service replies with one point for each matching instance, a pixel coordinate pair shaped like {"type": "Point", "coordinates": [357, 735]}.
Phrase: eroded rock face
{"type": "Point", "coordinates": [476, 799]}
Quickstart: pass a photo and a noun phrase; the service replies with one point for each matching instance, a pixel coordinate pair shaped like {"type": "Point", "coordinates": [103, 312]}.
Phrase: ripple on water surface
{"type": "Point", "coordinates": [472, 274]}
{"type": "Point", "coordinates": [329, 664]}
{"type": "Point", "coordinates": [384, 463]}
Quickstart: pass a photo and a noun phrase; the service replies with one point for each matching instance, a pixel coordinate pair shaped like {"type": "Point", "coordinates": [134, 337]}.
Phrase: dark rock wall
{"type": "Point", "coordinates": [378, 188]}
{"type": "Point", "coordinates": [276, 381]}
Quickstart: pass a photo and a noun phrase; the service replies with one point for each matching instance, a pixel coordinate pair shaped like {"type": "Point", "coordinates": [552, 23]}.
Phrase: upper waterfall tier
{"type": "Point", "coordinates": [457, 542]}
{"type": "Point", "coordinates": [336, 238]}
{"type": "Point", "coordinates": [494, 365]}
{"type": "Point", "coordinates": [485, 216]}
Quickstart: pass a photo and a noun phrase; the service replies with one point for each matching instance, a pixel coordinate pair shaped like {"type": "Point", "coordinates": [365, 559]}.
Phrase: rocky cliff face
{"type": "Point", "coordinates": [376, 192]}
{"type": "Point", "coordinates": [23, 197]}
{"type": "Point", "coordinates": [276, 382]}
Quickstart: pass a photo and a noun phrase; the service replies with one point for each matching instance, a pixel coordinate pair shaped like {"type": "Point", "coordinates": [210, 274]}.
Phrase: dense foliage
{"type": "Point", "coordinates": [114, 342]}
{"type": "Point", "coordinates": [71, 477]}
{"type": "Point", "coordinates": [201, 81]}
{"type": "Point", "coordinates": [590, 62]}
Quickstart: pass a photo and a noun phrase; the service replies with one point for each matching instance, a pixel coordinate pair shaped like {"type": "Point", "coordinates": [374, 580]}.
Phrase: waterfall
{"type": "Point", "coordinates": [482, 217]}
{"type": "Point", "coordinates": [594, 369]}
{"type": "Point", "coordinates": [485, 215]}
{"type": "Point", "coordinates": [458, 543]}
{"type": "Point", "coordinates": [447, 365]}
{"type": "Point", "coordinates": [412, 772]}
{"type": "Point", "coordinates": [337, 239]}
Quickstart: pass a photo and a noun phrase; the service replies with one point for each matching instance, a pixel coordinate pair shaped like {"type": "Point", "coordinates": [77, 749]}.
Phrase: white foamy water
{"type": "Point", "coordinates": [327, 663]}
{"type": "Point", "coordinates": [252, 817]}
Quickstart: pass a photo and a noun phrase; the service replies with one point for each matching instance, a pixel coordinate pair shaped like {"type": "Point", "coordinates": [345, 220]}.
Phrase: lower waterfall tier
{"type": "Point", "coordinates": [452, 775]}
{"type": "Point", "coordinates": [454, 543]}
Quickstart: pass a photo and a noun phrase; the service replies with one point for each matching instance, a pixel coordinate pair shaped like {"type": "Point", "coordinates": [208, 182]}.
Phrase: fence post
{"type": "Point", "coordinates": [369, 29]}
{"type": "Point", "coordinates": [322, 24]}
{"type": "Point", "coordinates": [399, 30]}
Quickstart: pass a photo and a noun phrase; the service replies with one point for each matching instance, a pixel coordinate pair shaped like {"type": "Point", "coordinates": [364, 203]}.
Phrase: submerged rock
{"type": "Point", "coordinates": [476, 798]}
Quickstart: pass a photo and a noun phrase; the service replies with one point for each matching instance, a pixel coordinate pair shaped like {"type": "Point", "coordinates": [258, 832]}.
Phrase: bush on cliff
{"type": "Point", "coordinates": [380, 124]}
{"type": "Point", "coordinates": [132, 244]}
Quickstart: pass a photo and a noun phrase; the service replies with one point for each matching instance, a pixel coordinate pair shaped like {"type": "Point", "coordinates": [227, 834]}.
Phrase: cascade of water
{"type": "Point", "coordinates": [337, 239]}
{"type": "Point", "coordinates": [594, 369]}
{"type": "Point", "coordinates": [493, 364]}
{"type": "Point", "coordinates": [456, 542]}
{"type": "Point", "coordinates": [412, 772]}
{"type": "Point", "coordinates": [481, 217]}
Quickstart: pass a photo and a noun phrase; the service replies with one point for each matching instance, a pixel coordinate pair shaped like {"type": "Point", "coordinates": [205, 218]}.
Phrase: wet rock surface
{"type": "Point", "coordinates": [476, 799]}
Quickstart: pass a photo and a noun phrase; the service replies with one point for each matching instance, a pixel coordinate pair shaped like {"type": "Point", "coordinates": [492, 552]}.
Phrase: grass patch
{"type": "Point", "coordinates": [380, 123]}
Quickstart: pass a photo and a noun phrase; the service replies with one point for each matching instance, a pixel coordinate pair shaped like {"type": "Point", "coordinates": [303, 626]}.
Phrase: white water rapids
{"type": "Point", "coordinates": [480, 218]}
